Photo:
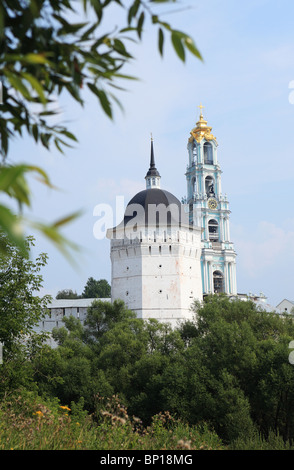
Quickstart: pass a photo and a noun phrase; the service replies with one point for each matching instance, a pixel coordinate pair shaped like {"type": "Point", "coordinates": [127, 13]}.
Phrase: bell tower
{"type": "Point", "coordinates": [209, 209]}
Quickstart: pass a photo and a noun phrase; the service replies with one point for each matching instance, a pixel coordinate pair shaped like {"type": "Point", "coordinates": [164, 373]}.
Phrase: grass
{"type": "Point", "coordinates": [29, 423]}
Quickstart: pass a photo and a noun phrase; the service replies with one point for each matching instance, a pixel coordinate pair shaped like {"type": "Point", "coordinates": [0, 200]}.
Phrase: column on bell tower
{"type": "Point", "coordinates": [209, 207]}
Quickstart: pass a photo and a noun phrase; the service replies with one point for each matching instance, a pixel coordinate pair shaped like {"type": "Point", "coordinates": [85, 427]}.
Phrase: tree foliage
{"type": "Point", "coordinates": [229, 368]}
{"type": "Point", "coordinates": [20, 280]}
{"type": "Point", "coordinates": [67, 294]}
{"type": "Point", "coordinates": [56, 47]}
{"type": "Point", "coordinates": [94, 288]}
{"type": "Point", "coordinates": [21, 309]}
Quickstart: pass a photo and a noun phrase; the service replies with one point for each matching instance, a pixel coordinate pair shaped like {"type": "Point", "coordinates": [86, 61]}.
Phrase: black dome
{"type": "Point", "coordinates": [154, 197]}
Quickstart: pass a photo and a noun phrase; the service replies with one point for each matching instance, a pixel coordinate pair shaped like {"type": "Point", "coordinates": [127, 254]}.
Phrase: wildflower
{"type": "Point", "coordinates": [185, 444]}
{"type": "Point", "coordinates": [65, 408]}
{"type": "Point", "coordinates": [39, 413]}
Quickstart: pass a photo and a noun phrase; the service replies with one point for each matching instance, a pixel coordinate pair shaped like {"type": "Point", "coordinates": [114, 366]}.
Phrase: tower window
{"type": "Point", "coordinates": [194, 185]}
{"type": "Point", "coordinates": [194, 153]}
{"type": "Point", "coordinates": [209, 186]}
{"type": "Point", "coordinates": [213, 230]}
{"type": "Point", "coordinates": [218, 282]}
{"type": "Point", "coordinates": [208, 154]}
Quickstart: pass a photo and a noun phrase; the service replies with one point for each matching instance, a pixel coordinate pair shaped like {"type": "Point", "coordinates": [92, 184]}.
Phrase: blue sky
{"type": "Point", "coordinates": [243, 83]}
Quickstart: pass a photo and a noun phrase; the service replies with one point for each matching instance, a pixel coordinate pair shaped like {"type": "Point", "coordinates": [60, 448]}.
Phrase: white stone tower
{"type": "Point", "coordinates": [209, 208]}
{"type": "Point", "coordinates": [155, 255]}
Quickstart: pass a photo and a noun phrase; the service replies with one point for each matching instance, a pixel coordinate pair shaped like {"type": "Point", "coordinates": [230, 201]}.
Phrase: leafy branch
{"type": "Point", "coordinates": [44, 53]}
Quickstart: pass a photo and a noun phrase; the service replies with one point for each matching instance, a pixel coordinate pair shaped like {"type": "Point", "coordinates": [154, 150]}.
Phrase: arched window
{"type": "Point", "coordinates": [208, 155]}
{"type": "Point", "coordinates": [213, 230]}
{"type": "Point", "coordinates": [209, 186]}
{"type": "Point", "coordinates": [218, 282]}
{"type": "Point", "coordinates": [194, 153]}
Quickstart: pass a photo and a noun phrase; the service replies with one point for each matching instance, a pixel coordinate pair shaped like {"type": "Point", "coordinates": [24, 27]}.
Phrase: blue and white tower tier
{"type": "Point", "coordinates": [209, 208]}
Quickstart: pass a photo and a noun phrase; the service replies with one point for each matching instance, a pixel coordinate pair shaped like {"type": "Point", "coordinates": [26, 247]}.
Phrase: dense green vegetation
{"type": "Point", "coordinates": [223, 380]}
{"type": "Point", "coordinates": [93, 289]}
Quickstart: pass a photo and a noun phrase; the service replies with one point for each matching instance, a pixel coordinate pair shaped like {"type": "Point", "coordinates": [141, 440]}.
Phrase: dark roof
{"type": "Point", "coordinates": [154, 196]}
{"type": "Point", "coordinates": [151, 201]}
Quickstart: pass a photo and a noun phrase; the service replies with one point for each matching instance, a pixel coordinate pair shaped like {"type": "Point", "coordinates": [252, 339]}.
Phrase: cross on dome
{"type": "Point", "coordinates": [201, 107]}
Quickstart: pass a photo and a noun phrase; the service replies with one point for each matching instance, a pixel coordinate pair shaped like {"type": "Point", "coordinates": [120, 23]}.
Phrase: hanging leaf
{"type": "Point", "coordinates": [104, 101]}
{"type": "Point", "coordinates": [178, 46]}
{"type": "Point", "coordinates": [12, 227]}
{"type": "Point", "coordinates": [160, 41]}
{"type": "Point", "coordinates": [189, 43]}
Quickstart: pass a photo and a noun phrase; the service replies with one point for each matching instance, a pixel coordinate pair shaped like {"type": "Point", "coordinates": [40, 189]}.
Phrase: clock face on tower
{"type": "Point", "coordinates": [212, 203]}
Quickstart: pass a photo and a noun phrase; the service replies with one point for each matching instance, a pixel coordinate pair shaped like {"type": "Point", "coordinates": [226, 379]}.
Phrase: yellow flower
{"type": "Point", "coordinates": [39, 413]}
{"type": "Point", "coordinates": [65, 408]}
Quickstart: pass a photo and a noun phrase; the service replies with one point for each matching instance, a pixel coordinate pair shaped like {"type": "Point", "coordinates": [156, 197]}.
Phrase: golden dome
{"type": "Point", "coordinates": [202, 130]}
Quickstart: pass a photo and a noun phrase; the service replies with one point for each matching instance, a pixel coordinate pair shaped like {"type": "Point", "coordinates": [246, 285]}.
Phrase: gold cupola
{"type": "Point", "coordinates": [202, 130]}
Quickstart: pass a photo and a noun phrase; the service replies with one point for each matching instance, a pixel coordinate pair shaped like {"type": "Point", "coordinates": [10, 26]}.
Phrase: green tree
{"type": "Point", "coordinates": [46, 50]}
{"type": "Point", "coordinates": [229, 368]}
{"type": "Point", "coordinates": [163, 347]}
{"type": "Point", "coordinates": [101, 316]}
{"type": "Point", "coordinates": [236, 373]}
{"type": "Point", "coordinates": [66, 371]}
{"type": "Point", "coordinates": [93, 288]}
{"type": "Point", "coordinates": [67, 294]}
{"type": "Point", "coordinates": [21, 309]}
{"type": "Point", "coordinates": [20, 280]}
{"type": "Point", "coordinates": [73, 370]}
